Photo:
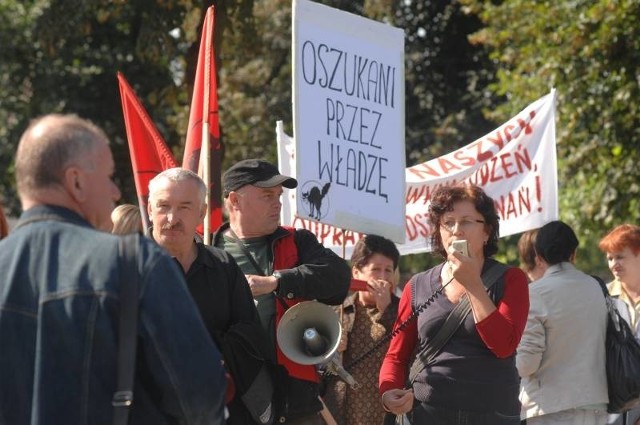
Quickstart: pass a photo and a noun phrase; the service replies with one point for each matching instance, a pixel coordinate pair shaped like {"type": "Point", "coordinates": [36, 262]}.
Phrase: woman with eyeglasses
{"type": "Point", "coordinates": [472, 379]}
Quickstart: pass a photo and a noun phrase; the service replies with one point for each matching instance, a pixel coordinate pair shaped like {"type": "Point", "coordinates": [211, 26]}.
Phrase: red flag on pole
{"type": "Point", "coordinates": [204, 127]}
{"type": "Point", "coordinates": [150, 155]}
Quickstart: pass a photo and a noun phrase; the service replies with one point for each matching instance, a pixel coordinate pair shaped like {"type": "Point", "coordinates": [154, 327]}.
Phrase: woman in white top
{"type": "Point", "coordinates": [622, 247]}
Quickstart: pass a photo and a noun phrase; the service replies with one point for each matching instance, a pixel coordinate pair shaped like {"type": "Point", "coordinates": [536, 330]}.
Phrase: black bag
{"type": "Point", "coordinates": [623, 360]}
{"type": "Point", "coordinates": [244, 354]}
{"type": "Point", "coordinates": [623, 363]}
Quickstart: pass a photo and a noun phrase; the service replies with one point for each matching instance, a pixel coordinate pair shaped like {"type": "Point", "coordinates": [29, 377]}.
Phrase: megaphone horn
{"type": "Point", "coordinates": [309, 333]}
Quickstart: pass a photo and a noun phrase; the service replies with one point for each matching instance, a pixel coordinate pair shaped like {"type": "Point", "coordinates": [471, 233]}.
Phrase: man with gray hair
{"type": "Point", "coordinates": [60, 298]}
{"type": "Point", "coordinates": [219, 288]}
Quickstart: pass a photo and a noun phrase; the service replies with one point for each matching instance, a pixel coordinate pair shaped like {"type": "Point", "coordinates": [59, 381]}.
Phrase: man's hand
{"type": "Point", "coordinates": [261, 285]}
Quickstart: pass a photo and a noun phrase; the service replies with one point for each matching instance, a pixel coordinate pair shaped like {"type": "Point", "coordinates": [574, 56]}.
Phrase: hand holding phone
{"type": "Point", "coordinates": [358, 285]}
{"type": "Point", "coordinates": [462, 246]}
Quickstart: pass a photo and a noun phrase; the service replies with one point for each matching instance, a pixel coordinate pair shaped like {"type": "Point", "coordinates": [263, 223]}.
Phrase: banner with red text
{"type": "Point", "coordinates": [515, 164]}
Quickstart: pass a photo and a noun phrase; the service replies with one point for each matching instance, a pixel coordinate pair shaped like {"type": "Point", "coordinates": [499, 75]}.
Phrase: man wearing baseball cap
{"type": "Point", "coordinates": [283, 266]}
{"type": "Point", "coordinates": [256, 172]}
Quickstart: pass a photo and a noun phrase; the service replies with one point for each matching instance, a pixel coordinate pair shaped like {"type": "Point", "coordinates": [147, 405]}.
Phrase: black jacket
{"type": "Point", "coordinates": [220, 291]}
{"type": "Point", "coordinates": [320, 274]}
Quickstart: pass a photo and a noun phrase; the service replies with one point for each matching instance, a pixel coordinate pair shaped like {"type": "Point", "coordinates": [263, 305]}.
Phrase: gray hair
{"type": "Point", "coordinates": [51, 144]}
{"type": "Point", "coordinates": [177, 175]}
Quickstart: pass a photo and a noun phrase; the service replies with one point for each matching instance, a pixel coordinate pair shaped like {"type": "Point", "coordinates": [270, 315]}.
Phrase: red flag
{"type": "Point", "coordinates": [204, 107]}
{"type": "Point", "coordinates": [150, 155]}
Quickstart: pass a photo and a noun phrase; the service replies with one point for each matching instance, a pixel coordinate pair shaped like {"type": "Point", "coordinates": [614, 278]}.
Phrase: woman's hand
{"type": "Point", "coordinates": [398, 401]}
{"type": "Point", "coordinates": [465, 270]}
{"type": "Point", "coordinates": [380, 290]}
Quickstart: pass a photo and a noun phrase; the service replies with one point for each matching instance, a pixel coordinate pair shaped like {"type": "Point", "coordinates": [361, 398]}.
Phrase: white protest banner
{"type": "Point", "coordinates": [348, 110]}
{"type": "Point", "coordinates": [515, 164]}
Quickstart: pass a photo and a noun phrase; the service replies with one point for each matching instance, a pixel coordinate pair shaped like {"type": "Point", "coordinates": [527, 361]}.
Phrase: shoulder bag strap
{"type": "Point", "coordinates": [603, 286]}
{"type": "Point", "coordinates": [255, 264]}
{"type": "Point", "coordinates": [127, 328]}
{"type": "Point", "coordinates": [246, 252]}
{"type": "Point", "coordinates": [453, 322]}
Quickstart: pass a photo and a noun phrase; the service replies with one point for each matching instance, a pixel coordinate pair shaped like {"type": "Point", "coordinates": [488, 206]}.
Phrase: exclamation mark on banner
{"type": "Point", "coordinates": [538, 190]}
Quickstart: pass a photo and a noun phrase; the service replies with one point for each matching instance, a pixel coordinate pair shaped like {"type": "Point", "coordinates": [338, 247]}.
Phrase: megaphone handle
{"type": "Point", "coordinates": [336, 368]}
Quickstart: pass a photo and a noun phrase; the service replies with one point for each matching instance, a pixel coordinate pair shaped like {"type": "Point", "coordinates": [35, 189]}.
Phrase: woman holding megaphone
{"type": "Point", "coordinates": [465, 338]}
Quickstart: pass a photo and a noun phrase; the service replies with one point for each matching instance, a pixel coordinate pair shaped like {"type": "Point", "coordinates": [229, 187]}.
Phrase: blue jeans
{"type": "Point", "coordinates": [423, 413]}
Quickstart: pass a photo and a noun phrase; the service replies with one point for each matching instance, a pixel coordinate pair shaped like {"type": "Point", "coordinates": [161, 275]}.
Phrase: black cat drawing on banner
{"type": "Point", "coordinates": [314, 197]}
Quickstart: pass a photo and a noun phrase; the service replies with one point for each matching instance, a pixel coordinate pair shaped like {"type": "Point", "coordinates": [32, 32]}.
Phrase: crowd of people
{"type": "Point", "coordinates": [469, 341]}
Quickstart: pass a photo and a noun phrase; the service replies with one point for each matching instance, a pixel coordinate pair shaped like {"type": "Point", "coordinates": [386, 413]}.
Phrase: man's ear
{"type": "Point", "coordinates": [233, 199]}
{"type": "Point", "coordinates": [203, 211]}
{"type": "Point", "coordinates": [75, 183]}
{"type": "Point", "coordinates": [149, 207]}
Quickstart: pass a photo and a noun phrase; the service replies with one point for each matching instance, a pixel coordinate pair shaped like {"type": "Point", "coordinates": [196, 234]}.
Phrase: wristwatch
{"type": "Point", "coordinates": [278, 276]}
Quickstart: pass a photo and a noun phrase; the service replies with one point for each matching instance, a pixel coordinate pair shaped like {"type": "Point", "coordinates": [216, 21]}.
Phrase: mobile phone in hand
{"type": "Point", "coordinates": [359, 285]}
{"type": "Point", "coordinates": [462, 246]}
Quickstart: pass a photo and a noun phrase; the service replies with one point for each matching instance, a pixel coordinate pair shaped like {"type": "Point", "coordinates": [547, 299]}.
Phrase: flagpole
{"type": "Point", "coordinates": [205, 162]}
{"type": "Point", "coordinates": [205, 152]}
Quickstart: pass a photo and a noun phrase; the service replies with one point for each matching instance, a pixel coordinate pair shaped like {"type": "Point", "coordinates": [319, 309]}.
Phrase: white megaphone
{"type": "Point", "coordinates": [309, 333]}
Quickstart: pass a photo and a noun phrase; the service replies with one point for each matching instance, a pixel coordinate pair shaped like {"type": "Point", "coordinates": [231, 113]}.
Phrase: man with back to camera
{"type": "Point", "coordinates": [59, 298]}
{"type": "Point", "coordinates": [216, 283]}
{"type": "Point", "coordinates": [284, 266]}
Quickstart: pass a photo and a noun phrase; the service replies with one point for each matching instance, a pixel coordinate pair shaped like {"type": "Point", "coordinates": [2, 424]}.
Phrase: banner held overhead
{"type": "Point", "coordinates": [348, 109]}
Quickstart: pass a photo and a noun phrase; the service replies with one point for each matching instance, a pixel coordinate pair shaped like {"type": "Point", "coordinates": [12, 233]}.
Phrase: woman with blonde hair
{"type": "Point", "coordinates": [126, 219]}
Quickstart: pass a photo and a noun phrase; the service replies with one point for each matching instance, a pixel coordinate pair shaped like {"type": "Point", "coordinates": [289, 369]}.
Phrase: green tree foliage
{"type": "Point", "coordinates": [255, 77]}
{"type": "Point", "coordinates": [255, 82]}
{"type": "Point", "coordinates": [590, 52]}
{"type": "Point", "coordinates": [447, 78]}
{"type": "Point", "coordinates": [63, 56]}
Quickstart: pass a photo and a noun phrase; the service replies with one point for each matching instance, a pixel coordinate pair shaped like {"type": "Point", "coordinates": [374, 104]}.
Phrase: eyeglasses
{"type": "Point", "coordinates": [464, 224]}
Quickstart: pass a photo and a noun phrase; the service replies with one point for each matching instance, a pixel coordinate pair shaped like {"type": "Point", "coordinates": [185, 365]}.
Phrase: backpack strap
{"type": "Point", "coordinates": [127, 328]}
{"type": "Point", "coordinates": [453, 322]}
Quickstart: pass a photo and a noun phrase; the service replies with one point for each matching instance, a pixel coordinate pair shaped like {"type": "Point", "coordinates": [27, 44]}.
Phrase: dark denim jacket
{"type": "Point", "coordinates": [59, 291]}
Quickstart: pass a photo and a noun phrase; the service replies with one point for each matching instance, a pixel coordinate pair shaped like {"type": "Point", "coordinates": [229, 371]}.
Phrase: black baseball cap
{"type": "Point", "coordinates": [257, 172]}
